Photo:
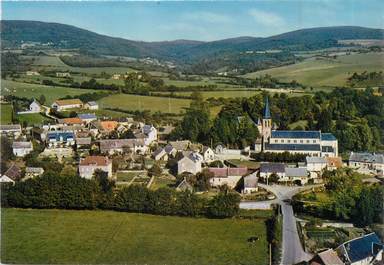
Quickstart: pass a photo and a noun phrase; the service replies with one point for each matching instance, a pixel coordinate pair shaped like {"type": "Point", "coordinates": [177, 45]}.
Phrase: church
{"type": "Point", "coordinates": [312, 143]}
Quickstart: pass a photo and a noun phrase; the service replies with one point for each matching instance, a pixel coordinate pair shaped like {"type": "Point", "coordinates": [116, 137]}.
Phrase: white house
{"type": "Point", "coordinates": [269, 169]}
{"type": "Point", "coordinates": [250, 183]}
{"type": "Point", "coordinates": [63, 74]}
{"type": "Point", "coordinates": [191, 163]}
{"type": "Point", "coordinates": [90, 164]}
{"type": "Point", "coordinates": [112, 146]}
{"type": "Point", "coordinates": [208, 154]}
{"type": "Point", "coordinates": [11, 130]}
{"type": "Point", "coordinates": [316, 164]}
{"type": "Point", "coordinates": [91, 105]}
{"type": "Point", "coordinates": [5, 179]}
{"type": "Point", "coordinates": [35, 107]}
{"type": "Point", "coordinates": [294, 174]}
{"type": "Point", "coordinates": [150, 133]}
{"type": "Point", "coordinates": [160, 154]}
{"type": "Point", "coordinates": [367, 161]}
{"type": "Point", "coordinates": [229, 176]}
{"type": "Point", "coordinates": [22, 148]}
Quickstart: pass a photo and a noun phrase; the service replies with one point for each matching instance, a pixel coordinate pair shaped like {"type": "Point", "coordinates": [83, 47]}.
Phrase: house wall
{"type": "Point", "coordinates": [231, 181]}
{"type": "Point", "coordinates": [87, 171]}
{"type": "Point", "coordinates": [21, 151]}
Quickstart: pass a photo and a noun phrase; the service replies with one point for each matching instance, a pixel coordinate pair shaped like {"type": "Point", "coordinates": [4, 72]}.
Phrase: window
{"type": "Point", "coordinates": [294, 141]}
{"type": "Point", "coordinates": [289, 141]}
{"type": "Point", "coordinates": [314, 141]}
{"type": "Point", "coordinates": [282, 141]}
{"type": "Point", "coordinates": [301, 141]}
{"type": "Point", "coordinates": [307, 141]}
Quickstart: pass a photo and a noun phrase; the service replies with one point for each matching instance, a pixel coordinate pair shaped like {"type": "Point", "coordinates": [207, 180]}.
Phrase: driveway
{"type": "Point", "coordinates": [292, 249]}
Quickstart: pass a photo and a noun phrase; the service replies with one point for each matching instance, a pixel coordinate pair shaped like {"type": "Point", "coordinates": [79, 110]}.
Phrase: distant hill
{"type": "Point", "coordinates": [184, 52]}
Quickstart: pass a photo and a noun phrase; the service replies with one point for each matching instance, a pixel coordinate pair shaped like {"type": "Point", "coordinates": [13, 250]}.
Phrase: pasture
{"type": "Point", "coordinates": [95, 237]}
{"type": "Point", "coordinates": [55, 63]}
{"type": "Point", "coordinates": [5, 113]}
{"type": "Point", "coordinates": [33, 119]}
{"type": "Point", "coordinates": [141, 103]}
{"type": "Point", "coordinates": [9, 87]}
{"type": "Point", "coordinates": [326, 72]}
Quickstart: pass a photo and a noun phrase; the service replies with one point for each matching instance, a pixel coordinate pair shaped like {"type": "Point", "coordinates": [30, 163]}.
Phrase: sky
{"type": "Point", "coordinates": [198, 20]}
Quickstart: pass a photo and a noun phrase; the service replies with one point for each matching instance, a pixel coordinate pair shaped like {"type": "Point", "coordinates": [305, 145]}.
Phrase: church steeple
{"type": "Point", "coordinates": [266, 122]}
{"type": "Point", "coordinates": [266, 112]}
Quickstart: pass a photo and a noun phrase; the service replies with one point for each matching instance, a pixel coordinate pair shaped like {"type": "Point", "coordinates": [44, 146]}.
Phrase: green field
{"type": "Point", "coordinates": [94, 237]}
{"type": "Point", "coordinates": [33, 118]}
{"type": "Point", "coordinates": [326, 72]}
{"type": "Point", "coordinates": [243, 93]}
{"type": "Point", "coordinates": [35, 91]}
{"type": "Point", "coordinates": [135, 102]}
{"type": "Point", "coordinates": [54, 63]}
{"type": "Point", "coordinates": [6, 113]}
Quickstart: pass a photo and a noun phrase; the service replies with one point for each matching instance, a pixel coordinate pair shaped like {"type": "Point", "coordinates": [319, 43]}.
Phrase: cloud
{"type": "Point", "coordinates": [205, 16]}
{"type": "Point", "coordinates": [266, 18]}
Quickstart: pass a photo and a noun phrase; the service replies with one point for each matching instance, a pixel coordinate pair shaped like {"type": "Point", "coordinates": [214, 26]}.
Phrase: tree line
{"type": "Point", "coordinates": [74, 192]}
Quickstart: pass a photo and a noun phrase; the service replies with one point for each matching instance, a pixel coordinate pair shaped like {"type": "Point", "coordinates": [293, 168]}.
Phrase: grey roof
{"type": "Point", "coordinates": [293, 147]}
{"type": "Point", "coordinates": [147, 129]}
{"type": "Point", "coordinates": [296, 134]}
{"type": "Point", "coordinates": [13, 172]}
{"type": "Point", "coordinates": [250, 181]}
{"type": "Point", "coordinates": [21, 145]}
{"type": "Point", "coordinates": [296, 172]}
{"type": "Point", "coordinates": [272, 167]}
{"type": "Point", "coordinates": [37, 170]}
{"type": "Point", "coordinates": [10, 127]}
{"type": "Point", "coordinates": [120, 143]}
{"type": "Point", "coordinates": [169, 148]}
{"type": "Point", "coordinates": [83, 141]}
{"type": "Point", "coordinates": [315, 160]}
{"type": "Point", "coordinates": [87, 116]}
{"type": "Point", "coordinates": [367, 157]}
{"type": "Point", "coordinates": [328, 137]}
{"type": "Point", "coordinates": [361, 248]}
{"type": "Point", "coordinates": [92, 103]}
{"type": "Point", "coordinates": [158, 151]}
{"type": "Point", "coordinates": [266, 111]}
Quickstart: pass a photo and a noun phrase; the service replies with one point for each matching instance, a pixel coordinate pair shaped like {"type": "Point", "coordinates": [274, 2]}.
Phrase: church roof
{"type": "Point", "coordinates": [296, 134]}
{"type": "Point", "coordinates": [293, 147]}
{"type": "Point", "coordinates": [327, 137]}
{"type": "Point", "coordinates": [266, 112]}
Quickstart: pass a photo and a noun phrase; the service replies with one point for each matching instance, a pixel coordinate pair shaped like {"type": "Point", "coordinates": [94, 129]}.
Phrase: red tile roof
{"type": "Point", "coordinates": [95, 160]}
{"type": "Point", "coordinates": [229, 171]}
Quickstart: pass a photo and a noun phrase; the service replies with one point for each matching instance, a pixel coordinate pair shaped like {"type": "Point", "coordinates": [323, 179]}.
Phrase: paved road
{"type": "Point", "coordinates": [292, 249]}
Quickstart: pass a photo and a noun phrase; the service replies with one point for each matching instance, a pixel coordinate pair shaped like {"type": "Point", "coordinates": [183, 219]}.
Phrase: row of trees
{"type": "Point", "coordinates": [73, 192]}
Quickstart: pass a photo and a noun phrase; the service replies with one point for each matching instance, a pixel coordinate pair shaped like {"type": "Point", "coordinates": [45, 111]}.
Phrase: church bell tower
{"type": "Point", "coordinates": [266, 122]}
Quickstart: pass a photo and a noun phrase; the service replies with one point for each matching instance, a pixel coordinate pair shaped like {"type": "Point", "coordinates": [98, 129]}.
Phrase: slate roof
{"type": "Point", "coordinates": [83, 141]}
{"type": "Point", "coordinates": [293, 147]}
{"type": "Point", "coordinates": [328, 137]}
{"type": "Point", "coordinates": [111, 144]}
{"type": "Point", "coordinates": [296, 134]}
{"type": "Point", "coordinates": [10, 127]}
{"type": "Point", "coordinates": [367, 157]}
{"type": "Point", "coordinates": [169, 148]}
{"type": "Point", "coordinates": [158, 151]}
{"type": "Point", "coordinates": [13, 172]}
{"type": "Point", "coordinates": [296, 172]}
{"type": "Point", "coordinates": [86, 116]}
{"type": "Point", "coordinates": [315, 160]}
{"type": "Point", "coordinates": [19, 145]}
{"type": "Point", "coordinates": [58, 134]}
{"type": "Point", "coordinates": [361, 248]}
{"type": "Point", "coordinates": [92, 103]}
{"type": "Point", "coordinates": [272, 167]}
{"type": "Point", "coordinates": [147, 129]}
{"type": "Point", "coordinates": [36, 170]}
{"type": "Point", "coordinates": [266, 111]}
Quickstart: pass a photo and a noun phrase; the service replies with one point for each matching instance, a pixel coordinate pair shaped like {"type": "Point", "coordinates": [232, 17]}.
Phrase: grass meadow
{"type": "Point", "coordinates": [95, 237]}
{"type": "Point", "coordinates": [326, 72]}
